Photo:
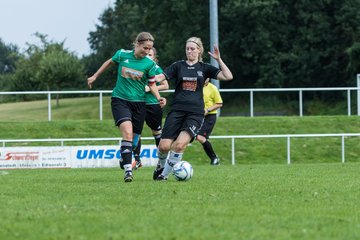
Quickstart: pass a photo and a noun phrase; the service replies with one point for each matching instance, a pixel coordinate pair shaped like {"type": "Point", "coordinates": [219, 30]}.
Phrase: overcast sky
{"type": "Point", "coordinates": [69, 20]}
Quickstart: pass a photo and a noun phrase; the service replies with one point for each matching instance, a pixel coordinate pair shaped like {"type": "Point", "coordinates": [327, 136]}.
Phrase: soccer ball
{"type": "Point", "coordinates": [183, 171]}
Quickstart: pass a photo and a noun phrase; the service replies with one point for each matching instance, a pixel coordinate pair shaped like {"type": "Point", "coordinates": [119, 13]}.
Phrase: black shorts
{"type": "Point", "coordinates": [208, 125]}
{"type": "Point", "coordinates": [124, 110]}
{"type": "Point", "coordinates": [154, 116]}
{"type": "Point", "coordinates": [177, 121]}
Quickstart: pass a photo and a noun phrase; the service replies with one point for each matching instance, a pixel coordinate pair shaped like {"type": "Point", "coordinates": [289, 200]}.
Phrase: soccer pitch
{"type": "Point", "coordinates": [253, 201]}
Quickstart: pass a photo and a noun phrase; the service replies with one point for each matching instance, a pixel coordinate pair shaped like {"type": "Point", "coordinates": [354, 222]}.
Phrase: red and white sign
{"type": "Point", "coordinates": [34, 157]}
{"type": "Point", "coordinates": [69, 157]}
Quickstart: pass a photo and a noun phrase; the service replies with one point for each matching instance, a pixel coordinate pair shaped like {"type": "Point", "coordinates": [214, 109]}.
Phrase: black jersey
{"type": "Point", "coordinates": [189, 83]}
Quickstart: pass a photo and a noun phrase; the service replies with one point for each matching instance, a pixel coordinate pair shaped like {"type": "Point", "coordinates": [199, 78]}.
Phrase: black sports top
{"type": "Point", "coordinates": [189, 83]}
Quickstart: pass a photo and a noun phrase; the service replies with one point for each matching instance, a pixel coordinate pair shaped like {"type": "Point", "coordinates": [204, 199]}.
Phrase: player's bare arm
{"type": "Point", "coordinates": [160, 77]}
{"type": "Point", "coordinates": [164, 85]}
{"type": "Point", "coordinates": [213, 108]}
{"type": "Point", "coordinates": [154, 90]}
{"type": "Point", "coordinates": [225, 74]}
{"type": "Point", "coordinates": [103, 67]}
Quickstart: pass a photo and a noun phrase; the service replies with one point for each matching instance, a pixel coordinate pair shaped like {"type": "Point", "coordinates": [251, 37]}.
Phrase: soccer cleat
{"type": "Point", "coordinates": [161, 178]}
{"type": "Point", "coordinates": [136, 164]}
{"type": "Point", "coordinates": [121, 163]}
{"type": "Point", "coordinates": [215, 161]}
{"type": "Point", "coordinates": [157, 172]}
{"type": "Point", "coordinates": [128, 176]}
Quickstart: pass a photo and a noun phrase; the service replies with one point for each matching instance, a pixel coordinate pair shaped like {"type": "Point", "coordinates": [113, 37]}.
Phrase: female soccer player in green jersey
{"type": "Point", "coordinates": [135, 71]}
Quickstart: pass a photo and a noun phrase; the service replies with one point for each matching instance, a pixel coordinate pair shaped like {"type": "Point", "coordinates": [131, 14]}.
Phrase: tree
{"type": "Point", "coordinates": [9, 54]}
{"type": "Point", "coordinates": [170, 22]}
{"type": "Point", "coordinates": [59, 69]}
{"type": "Point", "coordinates": [354, 62]}
{"type": "Point", "coordinates": [292, 44]}
{"type": "Point", "coordinates": [48, 67]}
{"type": "Point", "coordinates": [25, 74]}
{"type": "Point", "coordinates": [266, 43]}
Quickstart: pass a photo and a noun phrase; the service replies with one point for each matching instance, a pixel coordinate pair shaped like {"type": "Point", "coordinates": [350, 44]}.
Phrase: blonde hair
{"type": "Point", "coordinates": [143, 37]}
{"type": "Point", "coordinates": [198, 42]}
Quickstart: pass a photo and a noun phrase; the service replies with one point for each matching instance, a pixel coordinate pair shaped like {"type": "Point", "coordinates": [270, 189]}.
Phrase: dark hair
{"type": "Point", "coordinates": [155, 55]}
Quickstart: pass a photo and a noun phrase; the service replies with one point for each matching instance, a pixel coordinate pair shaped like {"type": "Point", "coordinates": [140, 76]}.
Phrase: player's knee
{"type": "Point", "coordinates": [179, 146]}
{"type": "Point", "coordinates": [200, 138]}
{"type": "Point", "coordinates": [164, 147]}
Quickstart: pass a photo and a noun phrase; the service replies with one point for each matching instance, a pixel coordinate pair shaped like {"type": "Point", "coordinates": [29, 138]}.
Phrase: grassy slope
{"type": "Point", "coordinates": [28, 120]}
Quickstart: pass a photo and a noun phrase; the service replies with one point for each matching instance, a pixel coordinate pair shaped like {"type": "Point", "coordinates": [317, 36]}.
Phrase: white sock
{"type": "Point", "coordinates": [162, 158]}
{"type": "Point", "coordinates": [171, 161]}
{"type": "Point", "coordinates": [127, 167]}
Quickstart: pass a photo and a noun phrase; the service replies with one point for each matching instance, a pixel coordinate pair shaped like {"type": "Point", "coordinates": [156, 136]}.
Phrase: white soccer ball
{"type": "Point", "coordinates": [183, 171]}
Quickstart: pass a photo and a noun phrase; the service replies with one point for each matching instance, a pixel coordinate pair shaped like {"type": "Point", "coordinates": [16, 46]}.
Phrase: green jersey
{"type": "Point", "coordinates": [133, 75]}
{"type": "Point", "coordinates": [149, 97]}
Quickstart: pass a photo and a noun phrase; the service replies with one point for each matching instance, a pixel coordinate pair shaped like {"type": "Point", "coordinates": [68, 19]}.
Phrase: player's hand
{"type": "Point", "coordinates": [90, 81]}
{"type": "Point", "coordinates": [216, 53]}
{"type": "Point", "coordinates": [147, 89]}
{"type": "Point", "coordinates": [162, 102]}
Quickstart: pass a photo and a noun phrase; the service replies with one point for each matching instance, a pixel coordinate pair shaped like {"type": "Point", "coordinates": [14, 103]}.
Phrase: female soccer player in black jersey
{"type": "Point", "coordinates": [187, 108]}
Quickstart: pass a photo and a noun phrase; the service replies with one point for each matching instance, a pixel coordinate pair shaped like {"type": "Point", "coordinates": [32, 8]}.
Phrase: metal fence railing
{"type": "Point", "coordinates": [251, 92]}
{"type": "Point", "coordinates": [232, 137]}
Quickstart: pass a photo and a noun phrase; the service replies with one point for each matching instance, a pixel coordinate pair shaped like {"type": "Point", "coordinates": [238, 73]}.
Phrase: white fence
{"type": "Point", "coordinates": [300, 92]}
{"type": "Point", "coordinates": [250, 91]}
{"type": "Point", "coordinates": [232, 137]}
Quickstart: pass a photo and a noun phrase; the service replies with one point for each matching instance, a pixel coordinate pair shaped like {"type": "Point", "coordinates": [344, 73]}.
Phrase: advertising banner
{"type": "Point", "coordinates": [34, 157]}
{"type": "Point", "coordinates": [69, 157]}
{"type": "Point", "coordinates": [108, 156]}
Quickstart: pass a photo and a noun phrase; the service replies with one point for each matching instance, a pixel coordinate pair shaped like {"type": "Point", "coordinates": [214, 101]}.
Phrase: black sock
{"type": "Point", "coordinates": [126, 151]}
{"type": "Point", "coordinates": [209, 150]}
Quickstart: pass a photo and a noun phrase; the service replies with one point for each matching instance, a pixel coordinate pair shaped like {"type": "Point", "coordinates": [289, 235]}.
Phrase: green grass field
{"type": "Point", "coordinates": [300, 201]}
{"type": "Point", "coordinates": [260, 197]}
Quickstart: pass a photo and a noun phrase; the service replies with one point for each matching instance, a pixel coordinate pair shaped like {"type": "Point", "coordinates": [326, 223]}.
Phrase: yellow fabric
{"type": "Point", "coordinates": [211, 96]}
